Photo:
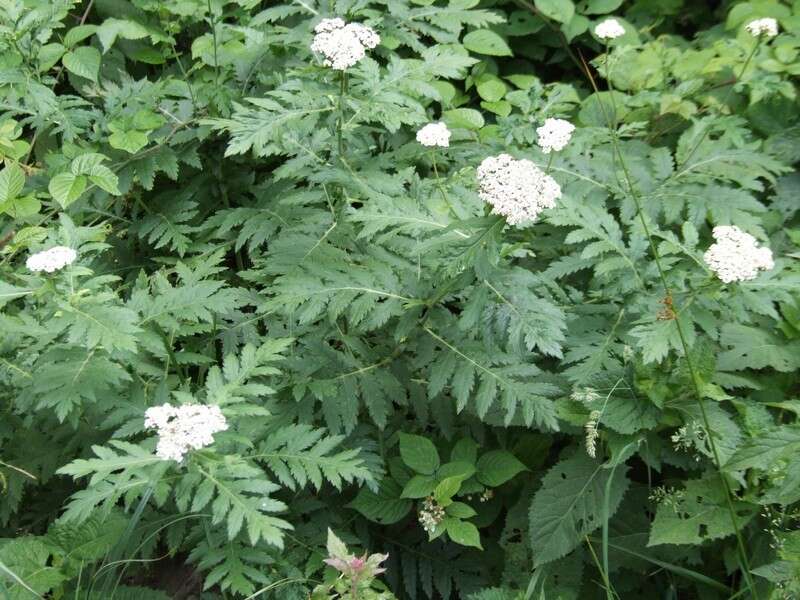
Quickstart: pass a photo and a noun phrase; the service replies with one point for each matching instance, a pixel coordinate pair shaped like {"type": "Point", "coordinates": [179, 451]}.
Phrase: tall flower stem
{"type": "Point", "coordinates": [340, 122]}
{"type": "Point", "coordinates": [549, 162]}
{"type": "Point", "coordinates": [725, 100]}
{"type": "Point", "coordinates": [634, 194]}
{"type": "Point", "coordinates": [439, 185]}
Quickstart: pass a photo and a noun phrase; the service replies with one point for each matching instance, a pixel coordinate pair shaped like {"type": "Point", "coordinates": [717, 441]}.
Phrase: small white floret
{"type": "Point", "coordinates": [609, 29]}
{"type": "Point", "coordinates": [516, 189]}
{"type": "Point", "coordinates": [767, 27]}
{"type": "Point", "coordinates": [736, 256]}
{"type": "Point", "coordinates": [343, 44]}
{"type": "Point", "coordinates": [51, 260]}
{"type": "Point", "coordinates": [434, 134]}
{"type": "Point", "coordinates": [554, 135]}
{"type": "Point", "coordinates": [184, 428]}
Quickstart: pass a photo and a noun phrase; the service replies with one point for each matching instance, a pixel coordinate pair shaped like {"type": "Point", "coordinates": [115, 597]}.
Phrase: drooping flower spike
{"type": "Point", "coordinates": [516, 189]}
{"type": "Point", "coordinates": [343, 44]}
{"type": "Point", "coordinates": [736, 256]}
{"type": "Point", "coordinates": [433, 135]}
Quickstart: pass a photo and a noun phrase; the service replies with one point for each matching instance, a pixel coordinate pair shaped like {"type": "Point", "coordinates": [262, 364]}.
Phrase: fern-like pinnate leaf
{"type": "Point", "coordinates": [300, 455]}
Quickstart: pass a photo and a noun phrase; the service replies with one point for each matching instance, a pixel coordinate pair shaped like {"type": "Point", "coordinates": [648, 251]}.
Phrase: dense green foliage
{"type": "Point", "coordinates": [257, 231]}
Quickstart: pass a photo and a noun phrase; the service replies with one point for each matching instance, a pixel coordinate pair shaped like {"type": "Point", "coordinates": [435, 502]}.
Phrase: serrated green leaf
{"type": "Point", "coordinates": [12, 180]}
{"type": "Point", "coordinates": [568, 506]}
{"type": "Point", "coordinates": [419, 486]}
{"type": "Point", "coordinates": [497, 467]}
{"type": "Point", "coordinates": [66, 188]}
{"type": "Point", "coordinates": [84, 62]}
{"type": "Point", "coordinates": [419, 453]}
{"type": "Point", "coordinates": [558, 10]}
{"type": "Point", "coordinates": [486, 41]}
{"type": "Point", "coordinates": [463, 532]}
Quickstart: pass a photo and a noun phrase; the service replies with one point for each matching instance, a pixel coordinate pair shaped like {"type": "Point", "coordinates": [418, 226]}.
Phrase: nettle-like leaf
{"type": "Point", "coordinates": [698, 514]}
{"type": "Point", "coordinates": [753, 348]}
{"type": "Point", "coordinates": [569, 505]}
{"type": "Point", "coordinates": [26, 570]}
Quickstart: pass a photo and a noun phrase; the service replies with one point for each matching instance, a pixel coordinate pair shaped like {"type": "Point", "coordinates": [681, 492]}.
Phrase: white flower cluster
{"type": "Point", "coordinates": [554, 135]}
{"type": "Point", "coordinates": [516, 189]}
{"type": "Point", "coordinates": [183, 428]}
{"type": "Point", "coordinates": [343, 44]}
{"type": "Point", "coordinates": [767, 27]}
{"type": "Point", "coordinates": [430, 515]}
{"type": "Point", "coordinates": [434, 134]}
{"type": "Point", "coordinates": [609, 29]}
{"type": "Point", "coordinates": [51, 260]}
{"type": "Point", "coordinates": [736, 256]}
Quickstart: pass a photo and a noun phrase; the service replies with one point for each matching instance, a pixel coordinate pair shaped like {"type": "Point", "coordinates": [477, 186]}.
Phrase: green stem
{"type": "Point", "coordinates": [725, 100]}
{"type": "Point", "coordinates": [439, 185]}
{"type": "Point", "coordinates": [685, 346]}
{"type": "Point", "coordinates": [340, 122]}
{"type": "Point", "coordinates": [549, 162]}
{"type": "Point", "coordinates": [213, 22]}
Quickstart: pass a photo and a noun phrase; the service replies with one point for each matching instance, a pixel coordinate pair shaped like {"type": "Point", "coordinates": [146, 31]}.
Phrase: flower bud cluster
{"type": "Point", "coordinates": [430, 515]}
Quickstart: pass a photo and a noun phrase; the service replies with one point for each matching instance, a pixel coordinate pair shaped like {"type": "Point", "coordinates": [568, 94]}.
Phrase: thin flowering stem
{"type": "Point", "coordinates": [549, 163]}
{"type": "Point", "coordinates": [725, 100]}
{"type": "Point", "coordinates": [439, 185]}
{"type": "Point", "coordinates": [634, 194]}
{"type": "Point", "coordinates": [340, 122]}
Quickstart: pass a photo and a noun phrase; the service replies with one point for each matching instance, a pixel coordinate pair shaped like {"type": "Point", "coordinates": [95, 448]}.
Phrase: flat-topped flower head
{"type": "Point", "coordinates": [516, 189]}
{"type": "Point", "coordinates": [51, 260]}
{"type": "Point", "coordinates": [343, 44]}
{"type": "Point", "coordinates": [434, 134]}
{"type": "Point", "coordinates": [554, 135]}
{"type": "Point", "coordinates": [609, 29]}
{"type": "Point", "coordinates": [768, 27]}
{"type": "Point", "coordinates": [736, 256]}
{"type": "Point", "coordinates": [183, 428]}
